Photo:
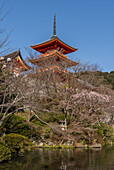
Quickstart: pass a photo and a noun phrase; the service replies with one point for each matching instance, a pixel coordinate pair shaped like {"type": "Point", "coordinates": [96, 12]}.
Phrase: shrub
{"type": "Point", "coordinates": [5, 153]}
{"type": "Point", "coordinates": [48, 117]}
{"type": "Point", "coordinates": [16, 124]}
{"type": "Point", "coordinates": [105, 130]}
{"type": "Point", "coordinates": [16, 142]}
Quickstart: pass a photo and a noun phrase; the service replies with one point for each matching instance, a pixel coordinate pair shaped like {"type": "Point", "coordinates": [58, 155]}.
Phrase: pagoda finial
{"type": "Point", "coordinates": [54, 27]}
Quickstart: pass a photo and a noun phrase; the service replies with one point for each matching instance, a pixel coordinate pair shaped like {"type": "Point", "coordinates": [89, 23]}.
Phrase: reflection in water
{"type": "Point", "coordinates": [62, 159]}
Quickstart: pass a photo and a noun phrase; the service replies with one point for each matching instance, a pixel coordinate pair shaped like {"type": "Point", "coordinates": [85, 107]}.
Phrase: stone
{"type": "Point", "coordinates": [79, 145]}
{"type": "Point", "coordinates": [50, 143]}
{"type": "Point", "coordinates": [69, 143]}
{"type": "Point", "coordinates": [96, 145]}
{"type": "Point", "coordinates": [41, 144]}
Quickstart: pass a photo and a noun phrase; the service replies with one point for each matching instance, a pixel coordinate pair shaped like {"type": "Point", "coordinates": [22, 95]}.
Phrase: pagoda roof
{"type": "Point", "coordinates": [17, 55]}
{"type": "Point", "coordinates": [53, 43]}
{"type": "Point", "coordinates": [54, 55]}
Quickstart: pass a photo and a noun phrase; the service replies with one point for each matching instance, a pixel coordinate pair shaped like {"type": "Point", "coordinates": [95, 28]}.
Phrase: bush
{"type": "Point", "coordinates": [16, 142]}
{"type": "Point", "coordinates": [16, 124]}
{"type": "Point", "coordinates": [105, 130]}
{"type": "Point", "coordinates": [48, 117]}
{"type": "Point", "coordinates": [5, 152]}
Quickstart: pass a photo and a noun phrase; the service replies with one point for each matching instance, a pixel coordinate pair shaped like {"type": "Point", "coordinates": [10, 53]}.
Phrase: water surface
{"type": "Point", "coordinates": [62, 159]}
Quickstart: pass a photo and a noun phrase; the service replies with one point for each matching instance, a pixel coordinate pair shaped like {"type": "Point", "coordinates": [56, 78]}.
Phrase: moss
{"type": "Point", "coordinates": [84, 142]}
{"type": "Point", "coordinates": [59, 146]}
{"type": "Point", "coordinates": [54, 117]}
{"type": "Point", "coordinates": [13, 143]}
{"type": "Point", "coordinates": [47, 136]}
{"type": "Point", "coordinates": [36, 121]}
{"type": "Point", "coordinates": [100, 132]}
{"type": "Point", "coordinates": [16, 142]}
{"type": "Point", "coordinates": [106, 142]}
{"type": "Point", "coordinates": [5, 152]}
{"type": "Point", "coordinates": [16, 124]}
{"type": "Point", "coordinates": [48, 117]}
{"type": "Point", "coordinates": [112, 139]}
{"type": "Point", "coordinates": [47, 133]}
{"type": "Point", "coordinates": [105, 130]}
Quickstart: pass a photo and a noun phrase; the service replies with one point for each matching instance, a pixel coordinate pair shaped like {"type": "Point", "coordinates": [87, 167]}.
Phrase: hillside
{"type": "Point", "coordinates": [98, 78]}
{"type": "Point", "coordinates": [37, 110]}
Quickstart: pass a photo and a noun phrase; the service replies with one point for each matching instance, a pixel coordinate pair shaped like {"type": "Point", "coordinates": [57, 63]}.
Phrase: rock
{"type": "Point", "coordinates": [41, 144]}
{"type": "Point", "coordinates": [50, 143]}
{"type": "Point", "coordinates": [33, 142]}
{"type": "Point", "coordinates": [79, 145]}
{"type": "Point", "coordinates": [96, 145]}
{"type": "Point", "coordinates": [68, 143]}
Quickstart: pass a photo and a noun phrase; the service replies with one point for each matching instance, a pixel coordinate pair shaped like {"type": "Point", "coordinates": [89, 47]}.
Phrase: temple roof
{"type": "Point", "coordinates": [16, 55]}
{"type": "Point", "coordinates": [54, 55]}
{"type": "Point", "coordinates": [54, 43]}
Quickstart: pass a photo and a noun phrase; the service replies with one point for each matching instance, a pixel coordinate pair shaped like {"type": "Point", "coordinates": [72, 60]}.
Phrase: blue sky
{"type": "Point", "coordinates": [85, 24]}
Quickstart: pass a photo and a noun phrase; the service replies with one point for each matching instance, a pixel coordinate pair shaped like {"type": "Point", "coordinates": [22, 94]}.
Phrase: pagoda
{"type": "Point", "coordinates": [53, 55]}
{"type": "Point", "coordinates": [14, 63]}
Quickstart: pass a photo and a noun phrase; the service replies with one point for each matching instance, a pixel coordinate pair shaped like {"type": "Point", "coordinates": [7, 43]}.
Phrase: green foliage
{"type": "Point", "coordinates": [112, 139]}
{"type": "Point", "coordinates": [5, 153]}
{"type": "Point", "coordinates": [55, 117]}
{"type": "Point", "coordinates": [105, 130]}
{"type": "Point", "coordinates": [104, 78]}
{"type": "Point", "coordinates": [16, 142]}
{"type": "Point", "coordinates": [47, 136]}
{"type": "Point", "coordinates": [16, 124]}
{"type": "Point", "coordinates": [68, 119]}
{"type": "Point", "coordinates": [108, 78]}
{"type": "Point", "coordinates": [47, 131]}
{"type": "Point", "coordinates": [105, 141]}
{"type": "Point", "coordinates": [36, 121]}
{"type": "Point", "coordinates": [48, 117]}
{"type": "Point", "coordinates": [85, 142]}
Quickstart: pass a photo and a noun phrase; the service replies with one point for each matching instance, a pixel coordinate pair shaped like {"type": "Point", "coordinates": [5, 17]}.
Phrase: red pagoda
{"type": "Point", "coordinates": [53, 54]}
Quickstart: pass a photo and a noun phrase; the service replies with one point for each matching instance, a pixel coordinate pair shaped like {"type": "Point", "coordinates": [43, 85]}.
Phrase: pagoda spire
{"type": "Point", "coordinates": [54, 26]}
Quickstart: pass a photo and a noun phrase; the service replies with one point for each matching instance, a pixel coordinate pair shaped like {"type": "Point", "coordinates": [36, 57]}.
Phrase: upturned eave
{"type": "Point", "coordinates": [55, 42]}
{"type": "Point", "coordinates": [52, 56]}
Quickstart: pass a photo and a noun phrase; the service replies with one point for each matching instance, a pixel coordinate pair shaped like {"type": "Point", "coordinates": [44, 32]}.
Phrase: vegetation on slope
{"type": "Point", "coordinates": [98, 77]}
{"type": "Point", "coordinates": [34, 108]}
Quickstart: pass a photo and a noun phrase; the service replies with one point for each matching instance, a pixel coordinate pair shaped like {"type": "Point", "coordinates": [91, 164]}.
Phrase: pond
{"type": "Point", "coordinates": [62, 159]}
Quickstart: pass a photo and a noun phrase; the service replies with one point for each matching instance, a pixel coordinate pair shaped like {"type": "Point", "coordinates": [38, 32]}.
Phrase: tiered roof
{"type": "Point", "coordinates": [17, 60]}
{"type": "Point", "coordinates": [57, 56]}
{"type": "Point", "coordinates": [54, 43]}
{"type": "Point", "coordinates": [53, 50]}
